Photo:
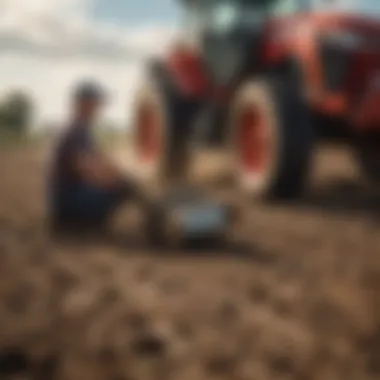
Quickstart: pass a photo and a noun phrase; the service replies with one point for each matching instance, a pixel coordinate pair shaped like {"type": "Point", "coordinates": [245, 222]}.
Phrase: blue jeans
{"type": "Point", "coordinates": [87, 205]}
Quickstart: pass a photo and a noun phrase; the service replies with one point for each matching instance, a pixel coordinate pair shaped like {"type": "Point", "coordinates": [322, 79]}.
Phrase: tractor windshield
{"type": "Point", "coordinates": [364, 7]}
{"type": "Point", "coordinates": [223, 15]}
{"type": "Point", "coordinates": [229, 31]}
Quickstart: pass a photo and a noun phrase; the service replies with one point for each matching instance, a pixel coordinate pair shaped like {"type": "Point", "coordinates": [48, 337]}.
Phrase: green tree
{"type": "Point", "coordinates": [16, 113]}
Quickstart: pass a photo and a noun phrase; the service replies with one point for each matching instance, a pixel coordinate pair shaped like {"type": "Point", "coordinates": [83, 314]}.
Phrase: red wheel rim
{"type": "Point", "coordinates": [253, 141]}
{"type": "Point", "coordinates": [148, 133]}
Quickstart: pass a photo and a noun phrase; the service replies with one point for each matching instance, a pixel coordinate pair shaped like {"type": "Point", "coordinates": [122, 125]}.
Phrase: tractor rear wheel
{"type": "Point", "coordinates": [162, 123]}
{"type": "Point", "coordinates": [272, 139]}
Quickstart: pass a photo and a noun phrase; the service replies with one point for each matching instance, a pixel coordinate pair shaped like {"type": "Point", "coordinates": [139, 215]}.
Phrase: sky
{"type": "Point", "coordinates": [48, 45]}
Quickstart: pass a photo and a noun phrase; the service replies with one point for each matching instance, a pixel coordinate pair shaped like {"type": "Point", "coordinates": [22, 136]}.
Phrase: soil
{"type": "Point", "coordinates": [297, 296]}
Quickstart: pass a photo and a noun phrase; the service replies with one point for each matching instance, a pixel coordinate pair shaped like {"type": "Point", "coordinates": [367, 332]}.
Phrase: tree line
{"type": "Point", "coordinates": [16, 114]}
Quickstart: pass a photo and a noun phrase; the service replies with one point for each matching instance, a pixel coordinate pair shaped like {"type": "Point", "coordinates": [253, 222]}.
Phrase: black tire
{"type": "Point", "coordinates": [368, 156]}
{"type": "Point", "coordinates": [156, 227]}
{"type": "Point", "coordinates": [176, 114]}
{"type": "Point", "coordinates": [216, 138]}
{"type": "Point", "coordinates": [290, 133]}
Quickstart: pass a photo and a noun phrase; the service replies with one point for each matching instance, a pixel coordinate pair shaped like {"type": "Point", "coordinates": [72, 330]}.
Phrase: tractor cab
{"type": "Point", "coordinates": [229, 32]}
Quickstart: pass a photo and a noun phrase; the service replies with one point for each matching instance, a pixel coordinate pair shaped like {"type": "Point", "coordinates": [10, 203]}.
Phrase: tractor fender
{"type": "Point", "coordinates": [188, 72]}
{"type": "Point", "coordinates": [294, 43]}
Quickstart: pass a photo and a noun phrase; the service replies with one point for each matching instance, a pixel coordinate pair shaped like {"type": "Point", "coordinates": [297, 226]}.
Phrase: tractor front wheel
{"type": "Point", "coordinates": [272, 139]}
{"type": "Point", "coordinates": [162, 122]}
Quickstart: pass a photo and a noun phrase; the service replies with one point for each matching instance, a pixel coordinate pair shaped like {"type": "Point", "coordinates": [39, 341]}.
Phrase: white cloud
{"type": "Point", "coordinates": [47, 45]}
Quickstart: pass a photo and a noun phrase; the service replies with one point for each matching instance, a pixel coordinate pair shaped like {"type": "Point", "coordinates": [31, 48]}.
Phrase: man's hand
{"type": "Point", "coordinates": [96, 169]}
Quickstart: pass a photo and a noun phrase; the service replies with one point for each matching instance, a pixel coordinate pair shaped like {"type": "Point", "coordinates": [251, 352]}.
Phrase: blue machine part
{"type": "Point", "coordinates": [202, 219]}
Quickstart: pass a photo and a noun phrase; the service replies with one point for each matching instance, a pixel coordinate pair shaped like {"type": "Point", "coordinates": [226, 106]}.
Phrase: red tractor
{"type": "Point", "coordinates": [264, 78]}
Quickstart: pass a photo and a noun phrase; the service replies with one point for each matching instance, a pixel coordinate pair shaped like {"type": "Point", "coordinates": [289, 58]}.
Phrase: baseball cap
{"type": "Point", "coordinates": [86, 90]}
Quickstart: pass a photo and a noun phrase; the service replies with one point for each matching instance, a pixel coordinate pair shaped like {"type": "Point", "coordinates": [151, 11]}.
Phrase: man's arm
{"type": "Point", "coordinates": [96, 169]}
{"type": "Point", "coordinates": [87, 161]}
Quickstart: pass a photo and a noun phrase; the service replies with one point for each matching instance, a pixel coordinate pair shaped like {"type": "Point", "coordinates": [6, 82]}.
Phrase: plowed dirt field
{"type": "Point", "coordinates": [299, 298]}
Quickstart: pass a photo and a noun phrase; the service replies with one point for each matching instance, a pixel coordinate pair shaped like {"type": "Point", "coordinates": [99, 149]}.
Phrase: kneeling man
{"type": "Point", "coordinates": [85, 187]}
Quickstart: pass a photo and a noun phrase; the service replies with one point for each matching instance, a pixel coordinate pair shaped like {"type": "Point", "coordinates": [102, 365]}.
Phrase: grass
{"type": "Point", "coordinates": [10, 140]}
{"type": "Point", "coordinates": [107, 139]}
